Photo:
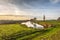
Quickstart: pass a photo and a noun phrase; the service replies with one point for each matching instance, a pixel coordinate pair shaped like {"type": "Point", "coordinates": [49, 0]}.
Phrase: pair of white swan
{"type": "Point", "coordinates": [33, 25]}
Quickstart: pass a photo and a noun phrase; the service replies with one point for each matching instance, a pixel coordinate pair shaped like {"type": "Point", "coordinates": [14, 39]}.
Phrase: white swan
{"type": "Point", "coordinates": [33, 25]}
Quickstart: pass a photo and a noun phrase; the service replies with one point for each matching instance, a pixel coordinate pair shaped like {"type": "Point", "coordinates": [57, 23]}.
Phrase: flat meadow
{"type": "Point", "coordinates": [21, 32]}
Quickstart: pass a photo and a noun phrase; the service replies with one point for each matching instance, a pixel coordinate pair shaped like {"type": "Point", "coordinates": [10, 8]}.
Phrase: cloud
{"type": "Point", "coordinates": [4, 1]}
{"type": "Point", "coordinates": [28, 7]}
{"type": "Point", "coordinates": [55, 1]}
{"type": "Point", "coordinates": [6, 8]}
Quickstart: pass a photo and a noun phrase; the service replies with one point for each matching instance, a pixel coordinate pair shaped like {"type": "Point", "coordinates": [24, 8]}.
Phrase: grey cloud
{"type": "Point", "coordinates": [32, 3]}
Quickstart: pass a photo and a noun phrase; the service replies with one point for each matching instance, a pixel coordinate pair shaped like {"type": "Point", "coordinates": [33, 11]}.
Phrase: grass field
{"type": "Point", "coordinates": [21, 32]}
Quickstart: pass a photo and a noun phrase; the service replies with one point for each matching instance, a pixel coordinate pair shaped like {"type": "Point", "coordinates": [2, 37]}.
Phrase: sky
{"type": "Point", "coordinates": [36, 8]}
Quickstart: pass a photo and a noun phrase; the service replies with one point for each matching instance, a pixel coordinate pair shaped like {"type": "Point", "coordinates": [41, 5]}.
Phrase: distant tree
{"type": "Point", "coordinates": [58, 18]}
{"type": "Point", "coordinates": [43, 17]}
{"type": "Point", "coordinates": [34, 20]}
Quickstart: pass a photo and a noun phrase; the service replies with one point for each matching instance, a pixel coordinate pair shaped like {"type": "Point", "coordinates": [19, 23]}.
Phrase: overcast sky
{"type": "Point", "coordinates": [37, 8]}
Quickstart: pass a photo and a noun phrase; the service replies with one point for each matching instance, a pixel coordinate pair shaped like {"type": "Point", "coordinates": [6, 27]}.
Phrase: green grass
{"type": "Point", "coordinates": [22, 32]}
{"type": "Point", "coordinates": [45, 34]}
{"type": "Point", "coordinates": [9, 29]}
